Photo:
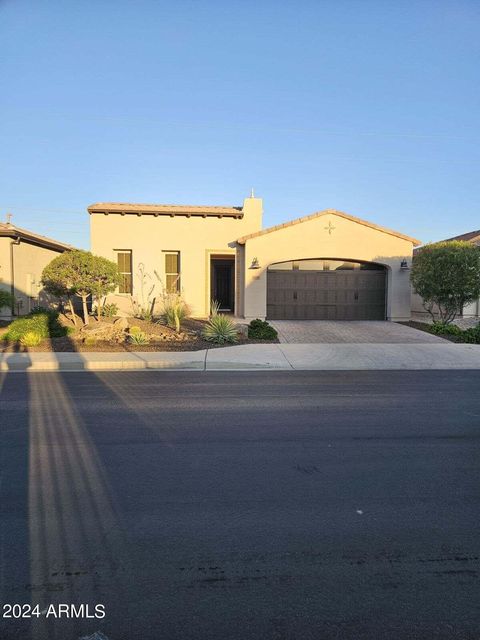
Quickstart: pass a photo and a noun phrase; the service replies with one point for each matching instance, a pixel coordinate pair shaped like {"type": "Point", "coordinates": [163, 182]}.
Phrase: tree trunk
{"type": "Point", "coordinates": [85, 310]}
{"type": "Point", "coordinates": [72, 311]}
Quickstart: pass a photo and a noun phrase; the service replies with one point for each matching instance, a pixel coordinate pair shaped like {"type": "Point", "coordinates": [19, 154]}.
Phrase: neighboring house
{"type": "Point", "coordinates": [23, 256]}
{"type": "Point", "coordinates": [328, 265]}
{"type": "Point", "coordinates": [469, 311]}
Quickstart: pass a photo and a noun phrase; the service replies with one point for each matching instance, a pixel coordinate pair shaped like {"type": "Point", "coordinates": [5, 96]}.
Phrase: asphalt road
{"type": "Point", "coordinates": [283, 505]}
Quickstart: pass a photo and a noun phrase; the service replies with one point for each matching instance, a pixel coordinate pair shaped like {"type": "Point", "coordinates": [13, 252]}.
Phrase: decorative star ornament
{"type": "Point", "coordinates": [329, 228]}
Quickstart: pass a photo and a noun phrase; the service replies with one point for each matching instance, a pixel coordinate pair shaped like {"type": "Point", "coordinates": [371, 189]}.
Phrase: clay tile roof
{"type": "Point", "coordinates": [325, 212]}
{"type": "Point", "coordinates": [471, 236]}
{"type": "Point", "coordinates": [164, 209]}
{"type": "Point", "coordinates": [12, 231]}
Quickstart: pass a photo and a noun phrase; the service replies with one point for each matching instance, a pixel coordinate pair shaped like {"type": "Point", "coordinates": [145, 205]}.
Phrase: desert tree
{"type": "Point", "coordinates": [447, 276]}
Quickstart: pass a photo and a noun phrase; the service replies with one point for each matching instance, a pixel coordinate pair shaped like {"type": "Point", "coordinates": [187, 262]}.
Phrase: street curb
{"type": "Point", "coordinates": [265, 357]}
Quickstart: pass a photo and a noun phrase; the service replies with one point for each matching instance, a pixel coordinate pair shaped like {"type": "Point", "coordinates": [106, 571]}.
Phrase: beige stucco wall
{"type": "Point", "coordinates": [472, 310]}
{"type": "Point", "coordinates": [196, 238]}
{"type": "Point", "coordinates": [29, 262]}
{"type": "Point", "coordinates": [348, 240]}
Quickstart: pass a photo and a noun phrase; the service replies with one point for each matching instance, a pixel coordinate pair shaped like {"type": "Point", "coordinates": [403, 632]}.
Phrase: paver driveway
{"type": "Point", "coordinates": [315, 331]}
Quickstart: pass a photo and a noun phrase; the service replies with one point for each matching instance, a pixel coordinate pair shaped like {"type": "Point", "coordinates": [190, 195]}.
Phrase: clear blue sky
{"type": "Point", "coordinates": [370, 107]}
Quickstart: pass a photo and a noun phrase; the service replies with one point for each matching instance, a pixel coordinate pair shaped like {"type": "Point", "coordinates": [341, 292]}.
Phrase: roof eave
{"type": "Point", "coordinates": [318, 214]}
{"type": "Point", "coordinates": [170, 214]}
{"type": "Point", "coordinates": [47, 243]}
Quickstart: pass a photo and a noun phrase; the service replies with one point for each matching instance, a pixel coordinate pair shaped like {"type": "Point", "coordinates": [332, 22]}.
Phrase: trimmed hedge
{"type": "Point", "coordinates": [42, 322]}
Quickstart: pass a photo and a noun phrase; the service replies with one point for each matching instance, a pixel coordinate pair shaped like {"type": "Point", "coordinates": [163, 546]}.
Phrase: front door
{"type": "Point", "coordinates": [222, 290]}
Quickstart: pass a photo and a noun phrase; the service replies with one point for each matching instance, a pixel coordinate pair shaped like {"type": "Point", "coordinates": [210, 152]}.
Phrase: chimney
{"type": "Point", "coordinates": [253, 212]}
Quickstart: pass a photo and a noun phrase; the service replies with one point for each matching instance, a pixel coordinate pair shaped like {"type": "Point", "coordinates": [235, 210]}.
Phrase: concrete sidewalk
{"type": "Point", "coordinates": [326, 357]}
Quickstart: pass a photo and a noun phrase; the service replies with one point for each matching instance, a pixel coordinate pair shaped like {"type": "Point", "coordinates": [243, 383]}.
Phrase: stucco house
{"type": "Point", "coordinates": [469, 311]}
{"type": "Point", "coordinates": [328, 265]}
{"type": "Point", "coordinates": [23, 256]}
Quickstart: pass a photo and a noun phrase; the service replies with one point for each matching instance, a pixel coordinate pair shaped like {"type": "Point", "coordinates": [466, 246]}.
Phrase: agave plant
{"type": "Point", "coordinates": [139, 337]}
{"type": "Point", "coordinates": [174, 311]}
{"type": "Point", "coordinates": [220, 329]}
{"type": "Point", "coordinates": [214, 308]}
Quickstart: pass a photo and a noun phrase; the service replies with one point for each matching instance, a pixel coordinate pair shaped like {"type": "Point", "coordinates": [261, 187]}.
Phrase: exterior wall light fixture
{"type": "Point", "coordinates": [404, 265]}
{"type": "Point", "coordinates": [255, 264]}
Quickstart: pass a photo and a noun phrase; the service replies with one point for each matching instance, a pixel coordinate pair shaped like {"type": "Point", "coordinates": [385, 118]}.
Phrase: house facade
{"type": "Point", "coordinates": [328, 265]}
{"type": "Point", "coordinates": [23, 256]}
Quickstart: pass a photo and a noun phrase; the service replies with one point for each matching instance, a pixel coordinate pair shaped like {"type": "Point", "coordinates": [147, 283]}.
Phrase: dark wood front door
{"type": "Point", "coordinates": [223, 278]}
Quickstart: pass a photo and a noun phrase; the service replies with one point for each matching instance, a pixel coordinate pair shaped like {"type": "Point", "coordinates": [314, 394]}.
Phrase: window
{"type": "Point", "coordinates": [172, 271]}
{"type": "Point", "coordinates": [124, 262]}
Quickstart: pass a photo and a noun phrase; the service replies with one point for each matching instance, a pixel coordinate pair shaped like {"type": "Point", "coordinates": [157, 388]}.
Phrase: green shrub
{"type": "Point", "coordinates": [440, 328]}
{"type": "Point", "coordinates": [6, 299]}
{"type": "Point", "coordinates": [220, 329]}
{"type": "Point", "coordinates": [139, 337]}
{"type": "Point", "coordinates": [109, 310]}
{"type": "Point", "coordinates": [90, 341]}
{"type": "Point", "coordinates": [19, 327]}
{"type": "Point", "coordinates": [472, 335]}
{"type": "Point", "coordinates": [44, 323]}
{"type": "Point", "coordinates": [31, 339]}
{"type": "Point", "coordinates": [261, 330]}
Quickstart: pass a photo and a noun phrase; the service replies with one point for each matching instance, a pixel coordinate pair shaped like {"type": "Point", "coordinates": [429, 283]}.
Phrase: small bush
{"type": "Point", "coordinates": [220, 329]}
{"type": "Point", "coordinates": [139, 337]}
{"type": "Point", "coordinates": [44, 323]}
{"type": "Point", "coordinates": [109, 310]}
{"type": "Point", "coordinates": [6, 299]}
{"type": "Point", "coordinates": [261, 330]}
{"type": "Point", "coordinates": [90, 341]}
{"type": "Point", "coordinates": [37, 323]}
{"type": "Point", "coordinates": [472, 335]}
{"type": "Point", "coordinates": [440, 328]}
{"type": "Point", "coordinates": [134, 330]}
{"type": "Point", "coordinates": [31, 339]}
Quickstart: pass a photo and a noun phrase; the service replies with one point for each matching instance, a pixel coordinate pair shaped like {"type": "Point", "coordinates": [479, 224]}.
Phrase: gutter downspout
{"type": "Point", "coordinates": [12, 271]}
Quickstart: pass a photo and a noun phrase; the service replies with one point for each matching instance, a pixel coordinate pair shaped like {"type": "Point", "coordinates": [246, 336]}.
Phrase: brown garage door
{"type": "Point", "coordinates": [351, 294]}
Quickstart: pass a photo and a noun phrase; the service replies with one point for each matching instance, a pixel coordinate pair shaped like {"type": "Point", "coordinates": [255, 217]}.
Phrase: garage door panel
{"type": "Point", "coordinates": [326, 295]}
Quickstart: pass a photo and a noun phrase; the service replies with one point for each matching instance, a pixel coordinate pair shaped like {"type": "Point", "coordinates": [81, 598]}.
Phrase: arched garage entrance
{"type": "Point", "coordinates": [326, 289]}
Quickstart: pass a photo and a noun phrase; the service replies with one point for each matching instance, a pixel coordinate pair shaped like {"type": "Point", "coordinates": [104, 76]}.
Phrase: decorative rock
{"type": "Point", "coordinates": [104, 331]}
{"type": "Point", "coordinates": [242, 329]}
{"type": "Point", "coordinates": [121, 323]}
